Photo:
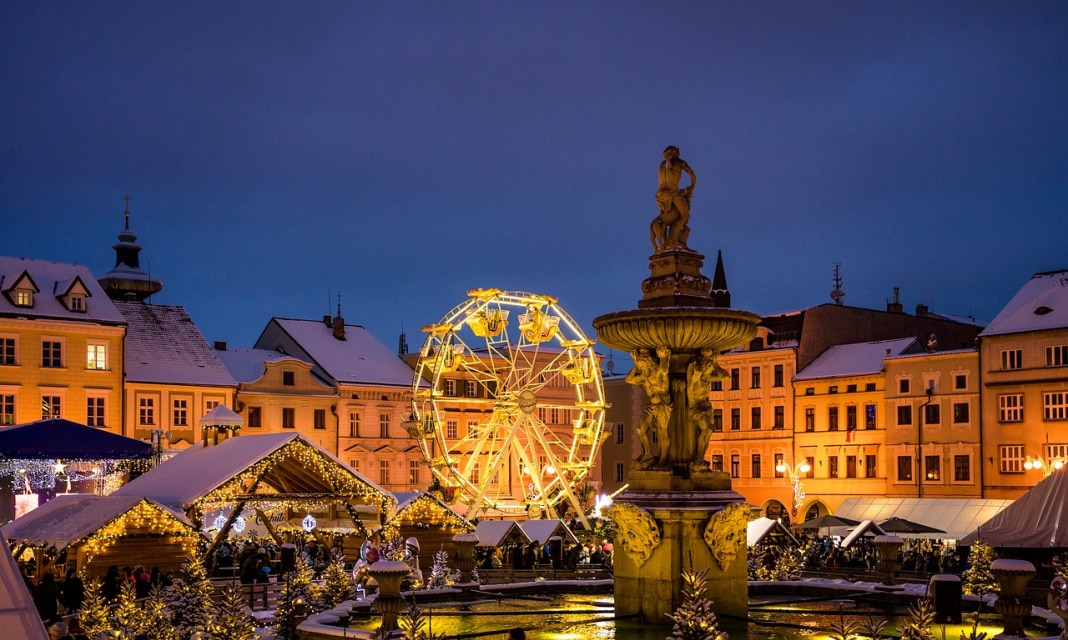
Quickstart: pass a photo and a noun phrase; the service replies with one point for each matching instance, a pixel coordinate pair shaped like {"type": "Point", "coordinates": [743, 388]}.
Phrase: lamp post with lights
{"type": "Point", "coordinates": [1032, 464]}
{"type": "Point", "coordinates": [795, 479]}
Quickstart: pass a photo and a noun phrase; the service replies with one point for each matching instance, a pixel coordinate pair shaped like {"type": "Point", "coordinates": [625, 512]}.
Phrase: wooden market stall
{"type": "Point", "coordinates": [423, 516]}
{"type": "Point", "coordinates": [271, 478]}
{"type": "Point", "coordinates": [89, 533]}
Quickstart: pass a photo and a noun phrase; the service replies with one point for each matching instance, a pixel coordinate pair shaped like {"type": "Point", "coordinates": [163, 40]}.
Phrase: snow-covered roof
{"type": "Point", "coordinates": [1037, 519]}
{"type": "Point", "coordinates": [1041, 304]}
{"type": "Point", "coordinates": [358, 359]}
{"type": "Point", "coordinates": [66, 519]}
{"type": "Point", "coordinates": [52, 279]}
{"type": "Point", "coordinates": [493, 533]}
{"type": "Point", "coordinates": [249, 365]}
{"type": "Point", "coordinates": [221, 416]}
{"type": "Point", "coordinates": [163, 346]}
{"type": "Point", "coordinates": [197, 471]}
{"type": "Point", "coordinates": [856, 359]}
{"type": "Point", "coordinates": [18, 615]}
{"type": "Point", "coordinates": [541, 530]}
{"type": "Point", "coordinates": [760, 528]}
{"type": "Point", "coordinates": [956, 516]}
{"type": "Point", "coordinates": [408, 499]}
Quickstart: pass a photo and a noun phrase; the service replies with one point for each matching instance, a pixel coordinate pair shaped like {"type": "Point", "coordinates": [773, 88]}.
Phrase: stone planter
{"type": "Point", "coordinates": [888, 564]}
{"type": "Point", "coordinates": [465, 554]}
{"type": "Point", "coordinates": [388, 574]}
{"type": "Point", "coordinates": [1013, 576]}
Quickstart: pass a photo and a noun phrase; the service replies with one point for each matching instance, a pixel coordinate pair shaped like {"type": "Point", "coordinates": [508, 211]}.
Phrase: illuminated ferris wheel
{"type": "Point", "coordinates": [508, 406]}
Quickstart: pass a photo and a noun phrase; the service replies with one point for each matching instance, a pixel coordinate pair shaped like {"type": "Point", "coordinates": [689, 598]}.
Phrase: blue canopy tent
{"type": "Point", "coordinates": [58, 439]}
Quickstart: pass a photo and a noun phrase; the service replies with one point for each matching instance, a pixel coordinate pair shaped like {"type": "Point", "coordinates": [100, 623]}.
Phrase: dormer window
{"type": "Point", "coordinates": [23, 297]}
{"type": "Point", "coordinates": [21, 291]}
{"type": "Point", "coordinates": [77, 303]}
{"type": "Point", "coordinates": [73, 295]}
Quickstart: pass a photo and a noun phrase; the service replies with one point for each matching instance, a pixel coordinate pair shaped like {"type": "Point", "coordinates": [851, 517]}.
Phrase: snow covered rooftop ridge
{"type": "Point", "coordinates": [52, 279]}
{"type": "Point", "coordinates": [928, 354]}
{"type": "Point", "coordinates": [249, 365]}
{"type": "Point", "coordinates": [1041, 304]}
{"type": "Point", "coordinates": [164, 346]}
{"type": "Point", "coordinates": [358, 359]}
{"type": "Point", "coordinates": [859, 358]}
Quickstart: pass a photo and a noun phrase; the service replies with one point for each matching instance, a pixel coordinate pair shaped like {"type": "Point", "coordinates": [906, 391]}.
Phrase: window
{"type": "Point", "coordinates": [810, 391]}
{"type": "Point", "coordinates": [832, 467]}
{"type": "Point", "coordinates": [870, 413]}
{"type": "Point", "coordinates": [210, 404]}
{"type": "Point", "coordinates": [717, 420]}
{"type": "Point", "coordinates": [904, 468]}
{"type": "Point", "coordinates": [962, 469]}
{"type": "Point", "coordinates": [1055, 406]}
{"type": "Point", "coordinates": [778, 376]}
{"type": "Point", "coordinates": [94, 412]}
{"type": "Point", "coordinates": [471, 388]}
{"type": "Point", "coordinates": [319, 419]}
{"type": "Point", "coordinates": [1057, 356]}
{"type": "Point", "coordinates": [355, 464]}
{"type": "Point", "coordinates": [932, 468]}
{"type": "Point", "coordinates": [735, 384]}
{"type": "Point", "coordinates": [452, 429]}
{"type": "Point", "coordinates": [736, 419]}
{"type": "Point", "coordinates": [77, 302]}
{"type": "Point", "coordinates": [51, 407]}
{"type": "Point", "coordinates": [904, 415]}
{"type": "Point", "coordinates": [97, 357]}
{"type": "Point", "coordinates": [450, 388]}
{"type": "Point", "coordinates": [51, 354]}
{"type": "Point", "coordinates": [832, 418]}
{"type": "Point", "coordinates": [851, 417]}
{"type": "Point", "coordinates": [903, 386]}
{"type": "Point", "coordinates": [810, 419]}
{"type": "Point", "coordinates": [1011, 359]}
{"type": "Point", "coordinates": [146, 411]}
{"type": "Point", "coordinates": [717, 385]}
{"type": "Point", "coordinates": [754, 418]}
{"type": "Point", "coordinates": [383, 472]}
{"type": "Point", "coordinates": [779, 462]}
{"type": "Point", "coordinates": [619, 432]}
{"type": "Point", "coordinates": [476, 474]}
{"type": "Point", "coordinates": [870, 386]}
{"type": "Point", "coordinates": [756, 465]}
{"type": "Point", "coordinates": [255, 417]}
{"type": "Point", "coordinates": [870, 470]}
{"type": "Point", "coordinates": [383, 425]}
{"type": "Point", "coordinates": [717, 462]}
{"type": "Point", "coordinates": [851, 466]}
{"type": "Point", "coordinates": [851, 388]}
{"type": "Point", "coordinates": [180, 412]}
{"type": "Point", "coordinates": [288, 378]}
{"type": "Point", "coordinates": [619, 472]}
{"type": "Point", "coordinates": [354, 424]}
{"type": "Point", "coordinates": [1011, 458]}
{"type": "Point", "coordinates": [289, 418]}
{"type": "Point", "coordinates": [960, 381]}
{"type": "Point", "coordinates": [832, 389]}
{"type": "Point", "coordinates": [7, 409]}
{"type": "Point", "coordinates": [960, 412]}
{"type": "Point", "coordinates": [779, 418]}
{"type": "Point", "coordinates": [932, 413]}
{"type": "Point", "coordinates": [8, 351]}
{"type": "Point", "coordinates": [736, 465]}
{"type": "Point", "coordinates": [413, 473]}
{"type": "Point", "coordinates": [755, 378]}
{"type": "Point", "coordinates": [1010, 408]}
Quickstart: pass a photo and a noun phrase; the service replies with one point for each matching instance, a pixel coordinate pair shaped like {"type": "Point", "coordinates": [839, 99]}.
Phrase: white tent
{"type": "Point", "coordinates": [541, 530]}
{"type": "Point", "coordinates": [494, 533]}
{"type": "Point", "coordinates": [1036, 520]}
{"type": "Point", "coordinates": [18, 616]}
{"type": "Point", "coordinates": [866, 526]}
{"type": "Point", "coordinates": [760, 529]}
{"type": "Point", "coordinates": [956, 516]}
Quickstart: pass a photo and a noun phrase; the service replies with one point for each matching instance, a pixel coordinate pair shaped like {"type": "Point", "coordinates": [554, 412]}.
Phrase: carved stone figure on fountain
{"type": "Point", "coordinates": [653, 378]}
{"type": "Point", "coordinates": [670, 229]}
{"type": "Point", "coordinates": [700, 374]}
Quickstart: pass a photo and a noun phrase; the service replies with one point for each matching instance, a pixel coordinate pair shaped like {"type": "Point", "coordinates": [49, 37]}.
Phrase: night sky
{"type": "Point", "coordinates": [400, 153]}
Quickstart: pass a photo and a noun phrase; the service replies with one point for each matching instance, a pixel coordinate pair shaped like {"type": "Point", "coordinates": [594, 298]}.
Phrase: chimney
{"type": "Point", "coordinates": [894, 305]}
{"type": "Point", "coordinates": [921, 310]}
{"type": "Point", "coordinates": [220, 345]}
{"type": "Point", "coordinates": [327, 320]}
{"type": "Point", "coordinates": [339, 328]}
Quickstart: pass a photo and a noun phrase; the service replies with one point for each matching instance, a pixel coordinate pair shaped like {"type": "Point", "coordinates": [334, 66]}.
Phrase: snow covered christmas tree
{"type": "Point", "coordinates": [978, 579]}
{"type": "Point", "coordinates": [439, 571]}
{"type": "Point", "coordinates": [189, 599]}
{"type": "Point", "coordinates": [230, 621]}
{"type": "Point", "coordinates": [694, 619]}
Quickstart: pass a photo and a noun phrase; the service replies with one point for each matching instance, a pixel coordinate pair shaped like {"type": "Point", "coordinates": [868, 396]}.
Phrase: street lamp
{"type": "Point", "coordinates": [795, 478]}
{"type": "Point", "coordinates": [1037, 463]}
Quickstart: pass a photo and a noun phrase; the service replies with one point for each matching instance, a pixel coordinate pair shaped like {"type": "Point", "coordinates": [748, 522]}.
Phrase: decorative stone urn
{"type": "Point", "coordinates": [1012, 604]}
{"type": "Point", "coordinates": [389, 603]}
{"type": "Point", "coordinates": [888, 563]}
{"type": "Point", "coordinates": [465, 554]}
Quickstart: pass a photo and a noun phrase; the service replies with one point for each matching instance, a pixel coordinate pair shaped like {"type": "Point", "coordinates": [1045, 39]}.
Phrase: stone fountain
{"type": "Point", "coordinates": [677, 514]}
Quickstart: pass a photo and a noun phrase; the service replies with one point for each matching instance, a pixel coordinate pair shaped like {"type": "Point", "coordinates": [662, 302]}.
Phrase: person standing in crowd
{"type": "Point", "coordinates": [73, 591]}
{"type": "Point", "coordinates": [46, 598]}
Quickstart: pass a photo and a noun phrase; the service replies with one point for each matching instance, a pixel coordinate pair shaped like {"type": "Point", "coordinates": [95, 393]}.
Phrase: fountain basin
{"type": "Point", "coordinates": [677, 328]}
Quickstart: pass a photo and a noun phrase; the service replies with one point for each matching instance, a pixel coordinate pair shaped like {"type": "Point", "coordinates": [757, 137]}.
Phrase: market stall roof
{"type": "Point", "coordinates": [18, 615]}
{"type": "Point", "coordinates": [1036, 520]}
{"type": "Point", "coordinates": [494, 533]}
{"type": "Point", "coordinates": [867, 527]}
{"type": "Point", "coordinates": [69, 518]}
{"type": "Point", "coordinates": [59, 439]}
{"type": "Point", "coordinates": [541, 530]}
{"type": "Point", "coordinates": [425, 506]}
{"type": "Point", "coordinates": [221, 416]}
{"type": "Point", "coordinates": [769, 530]}
{"type": "Point", "coordinates": [272, 466]}
{"type": "Point", "coordinates": [956, 516]}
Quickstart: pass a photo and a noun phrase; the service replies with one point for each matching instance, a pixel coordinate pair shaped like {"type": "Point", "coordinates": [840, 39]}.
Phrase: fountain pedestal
{"type": "Point", "coordinates": [1012, 603]}
{"type": "Point", "coordinates": [677, 515]}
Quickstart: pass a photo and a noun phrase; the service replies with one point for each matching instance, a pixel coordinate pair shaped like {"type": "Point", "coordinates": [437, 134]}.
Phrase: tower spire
{"type": "Point", "coordinates": [721, 295]}
{"type": "Point", "coordinates": [127, 281]}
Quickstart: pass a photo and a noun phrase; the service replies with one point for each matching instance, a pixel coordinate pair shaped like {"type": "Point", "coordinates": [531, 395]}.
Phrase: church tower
{"type": "Point", "coordinates": [127, 281]}
{"type": "Point", "coordinates": [721, 295]}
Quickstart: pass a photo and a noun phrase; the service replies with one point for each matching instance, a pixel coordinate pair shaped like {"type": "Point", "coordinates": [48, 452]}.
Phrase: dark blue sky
{"type": "Point", "coordinates": [405, 152]}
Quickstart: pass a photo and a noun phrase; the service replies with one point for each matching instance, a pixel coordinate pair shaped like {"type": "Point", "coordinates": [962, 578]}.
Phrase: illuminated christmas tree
{"type": "Point", "coordinates": [337, 584]}
{"type": "Point", "coordinates": [298, 599]}
{"type": "Point", "coordinates": [189, 599]}
{"type": "Point", "coordinates": [978, 578]}
{"type": "Point", "coordinates": [95, 611]}
{"type": "Point", "coordinates": [230, 621]}
{"type": "Point", "coordinates": [127, 616]}
{"type": "Point", "coordinates": [694, 619]}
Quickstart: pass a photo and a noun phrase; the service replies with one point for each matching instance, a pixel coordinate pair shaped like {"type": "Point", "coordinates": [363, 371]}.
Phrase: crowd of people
{"type": "Point", "coordinates": [920, 555]}
{"type": "Point", "coordinates": [534, 555]}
